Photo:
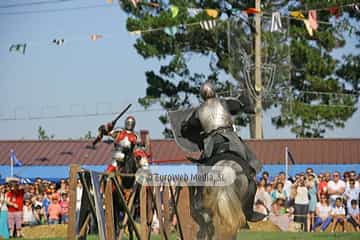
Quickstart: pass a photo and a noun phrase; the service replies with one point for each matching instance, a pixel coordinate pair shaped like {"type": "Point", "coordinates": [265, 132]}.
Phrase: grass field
{"type": "Point", "coordinates": [268, 236]}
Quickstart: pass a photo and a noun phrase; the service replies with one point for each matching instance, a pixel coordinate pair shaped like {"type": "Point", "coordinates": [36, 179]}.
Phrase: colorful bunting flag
{"type": "Point", "coordinates": [171, 30]}
{"type": "Point", "coordinates": [135, 2]}
{"type": "Point", "coordinates": [335, 11]}
{"type": "Point", "coordinates": [297, 15]}
{"type": "Point", "coordinates": [276, 22]}
{"type": "Point", "coordinates": [174, 11]}
{"type": "Point", "coordinates": [308, 27]}
{"type": "Point", "coordinates": [95, 37]}
{"type": "Point", "coordinates": [58, 42]}
{"type": "Point", "coordinates": [194, 11]}
{"type": "Point", "coordinates": [313, 19]}
{"type": "Point", "coordinates": [212, 13]}
{"type": "Point", "coordinates": [208, 25]}
{"type": "Point", "coordinates": [252, 11]}
{"type": "Point", "coordinates": [356, 7]}
{"type": "Point", "coordinates": [136, 32]}
{"type": "Point", "coordinates": [18, 48]}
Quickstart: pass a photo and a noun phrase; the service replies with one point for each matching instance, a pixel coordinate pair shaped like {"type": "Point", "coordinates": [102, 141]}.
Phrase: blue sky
{"type": "Point", "coordinates": [82, 76]}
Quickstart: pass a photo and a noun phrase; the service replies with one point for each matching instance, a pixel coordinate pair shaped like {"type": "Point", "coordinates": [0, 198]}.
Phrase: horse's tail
{"type": "Point", "coordinates": [225, 202]}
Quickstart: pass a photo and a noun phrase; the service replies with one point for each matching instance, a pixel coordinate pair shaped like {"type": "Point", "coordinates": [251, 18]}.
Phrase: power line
{"type": "Point", "coordinates": [57, 10]}
{"type": "Point", "coordinates": [14, 5]}
{"type": "Point", "coordinates": [79, 115]}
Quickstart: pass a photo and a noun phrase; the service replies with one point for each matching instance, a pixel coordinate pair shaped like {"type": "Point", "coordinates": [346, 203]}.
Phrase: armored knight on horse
{"type": "Point", "coordinates": [209, 129]}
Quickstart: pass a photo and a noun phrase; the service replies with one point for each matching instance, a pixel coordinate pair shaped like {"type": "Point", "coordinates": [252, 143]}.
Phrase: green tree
{"type": "Point", "coordinates": [312, 69]}
{"type": "Point", "coordinates": [42, 135]}
{"type": "Point", "coordinates": [87, 136]}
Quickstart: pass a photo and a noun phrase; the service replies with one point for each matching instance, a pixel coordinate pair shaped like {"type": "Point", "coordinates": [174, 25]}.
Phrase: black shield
{"type": "Point", "coordinates": [188, 143]}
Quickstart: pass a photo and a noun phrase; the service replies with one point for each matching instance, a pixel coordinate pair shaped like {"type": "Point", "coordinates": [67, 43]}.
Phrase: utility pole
{"type": "Point", "coordinates": [258, 82]}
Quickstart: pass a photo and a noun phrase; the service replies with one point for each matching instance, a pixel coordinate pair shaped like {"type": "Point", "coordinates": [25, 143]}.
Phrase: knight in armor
{"type": "Point", "coordinates": [125, 140]}
{"type": "Point", "coordinates": [213, 120]}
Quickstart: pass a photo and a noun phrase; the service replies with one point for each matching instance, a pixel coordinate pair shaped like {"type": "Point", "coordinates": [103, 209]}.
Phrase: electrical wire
{"type": "Point", "coordinates": [58, 9]}
{"type": "Point", "coordinates": [14, 5]}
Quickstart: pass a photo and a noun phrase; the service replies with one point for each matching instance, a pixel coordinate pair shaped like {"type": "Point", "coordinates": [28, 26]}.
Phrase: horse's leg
{"type": "Point", "coordinates": [198, 213]}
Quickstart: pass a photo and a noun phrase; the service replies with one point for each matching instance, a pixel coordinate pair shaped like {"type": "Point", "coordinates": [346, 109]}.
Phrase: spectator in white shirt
{"type": "Point", "coordinates": [336, 188]}
{"type": "Point", "coordinates": [323, 211]}
{"type": "Point", "coordinates": [353, 215]}
{"type": "Point", "coordinates": [338, 214]}
{"type": "Point", "coordinates": [351, 193]}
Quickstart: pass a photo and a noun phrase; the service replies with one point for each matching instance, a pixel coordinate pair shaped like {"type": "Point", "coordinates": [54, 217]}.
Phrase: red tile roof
{"type": "Point", "coordinates": [65, 152]}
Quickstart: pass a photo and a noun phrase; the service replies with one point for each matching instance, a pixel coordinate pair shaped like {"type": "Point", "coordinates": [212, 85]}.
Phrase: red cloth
{"type": "Point", "coordinates": [110, 168]}
{"type": "Point", "coordinates": [322, 187]}
{"type": "Point", "coordinates": [123, 134]}
{"type": "Point", "coordinates": [16, 197]}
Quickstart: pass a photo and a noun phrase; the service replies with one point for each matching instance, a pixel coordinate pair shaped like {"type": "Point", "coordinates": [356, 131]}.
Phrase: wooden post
{"type": "Point", "coordinates": [189, 226]}
{"type": "Point", "coordinates": [166, 199]}
{"type": "Point", "coordinates": [143, 210]}
{"type": "Point", "coordinates": [258, 81]}
{"type": "Point", "coordinates": [109, 210]}
{"type": "Point", "coordinates": [71, 231]}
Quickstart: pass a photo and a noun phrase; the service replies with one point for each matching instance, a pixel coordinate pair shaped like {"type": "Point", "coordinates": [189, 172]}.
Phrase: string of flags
{"type": "Point", "coordinates": [311, 22]}
{"type": "Point", "coordinates": [21, 47]}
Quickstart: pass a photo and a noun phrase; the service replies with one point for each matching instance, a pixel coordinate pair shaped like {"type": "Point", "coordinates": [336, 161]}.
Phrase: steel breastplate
{"type": "Point", "coordinates": [213, 115]}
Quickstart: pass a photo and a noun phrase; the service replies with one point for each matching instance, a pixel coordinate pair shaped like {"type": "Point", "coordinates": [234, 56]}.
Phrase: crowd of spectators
{"type": "Point", "coordinates": [310, 200]}
{"type": "Point", "coordinates": [28, 204]}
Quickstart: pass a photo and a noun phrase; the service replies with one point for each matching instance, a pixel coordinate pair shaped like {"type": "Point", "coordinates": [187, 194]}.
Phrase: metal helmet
{"type": "Point", "coordinates": [207, 90]}
{"type": "Point", "coordinates": [130, 123]}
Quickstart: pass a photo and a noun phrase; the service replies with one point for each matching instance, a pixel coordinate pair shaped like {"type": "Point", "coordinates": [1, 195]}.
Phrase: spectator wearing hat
{"type": "Point", "coordinates": [15, 200]}
{"type": "Point", "coordinates": [40, 215]}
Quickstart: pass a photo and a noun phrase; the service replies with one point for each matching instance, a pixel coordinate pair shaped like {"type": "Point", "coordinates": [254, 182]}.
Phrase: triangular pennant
{"type": "Point", "coordinates": [59, 42]}
{"type": "Point", "coordinates": [171, 30]}
{"type": "Point", "coordinates": [212, 13]}
{"type": "Point", "coordinates": [135, 2]}
{"type": "Point", "coordinates": [313, 19]}
{"type": "Point", "coordinates": [136, 32]}
{"type": "Point", "coordinates": [297, 15]}
{"type": "Point", "coordinates": [95, 37]}
{"type": "Point", "coordinates": [252, 10]}
{"type": "Point", "coordinates": [18, 48]}
{"type": "Point", "coordinates": [357, 7]}
{"type": "Point", "coordinates": [276, 22]}
{"type": "Point", "coordinates": [174, 11]}
{"type": "Point", "coordinates": [308, 28]}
